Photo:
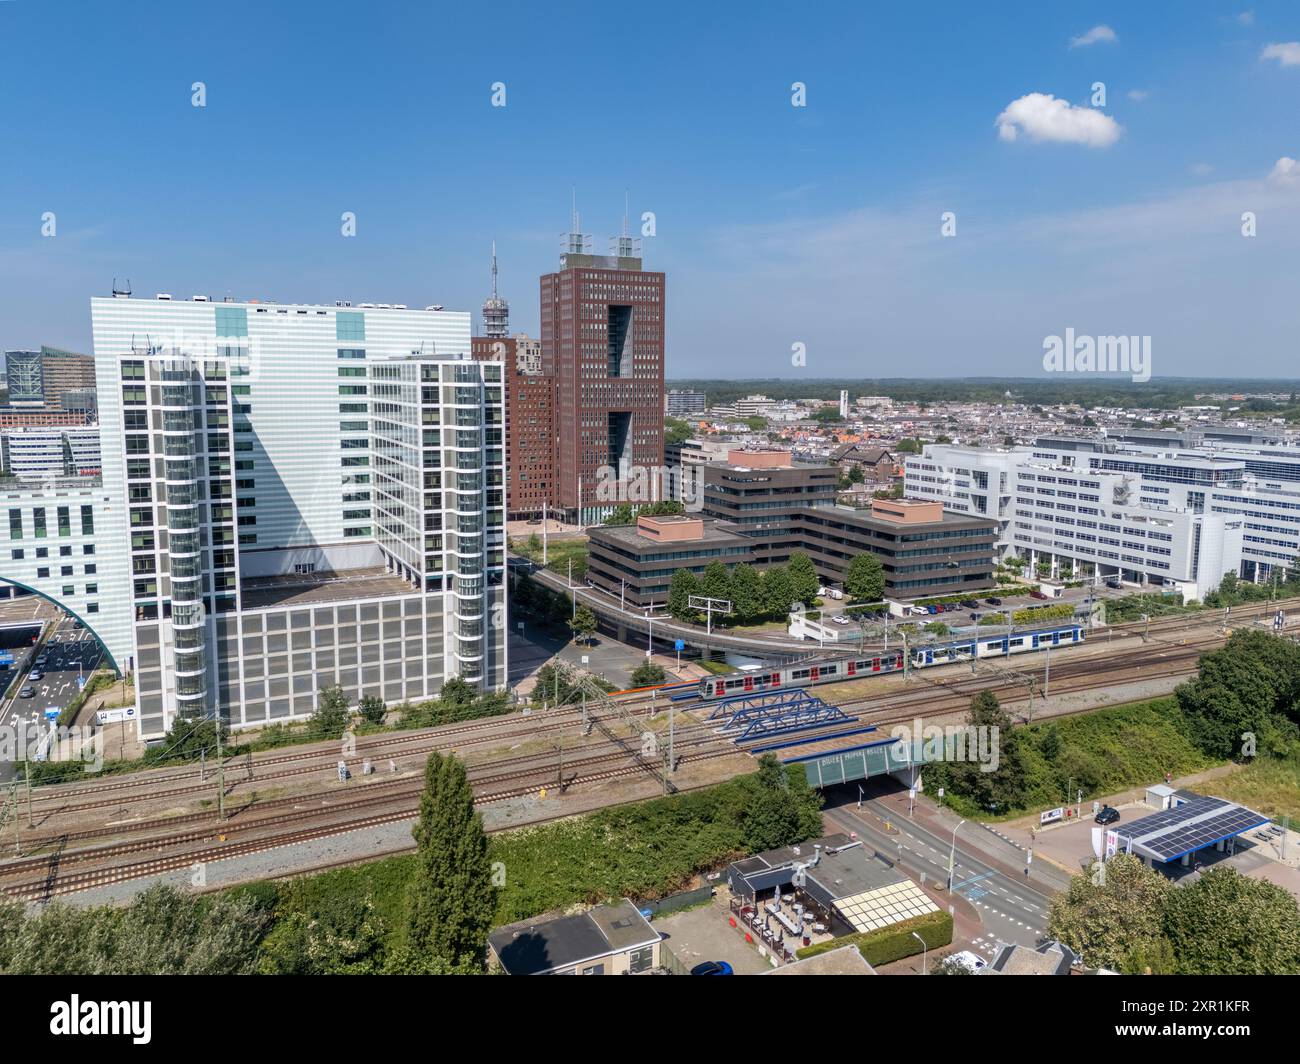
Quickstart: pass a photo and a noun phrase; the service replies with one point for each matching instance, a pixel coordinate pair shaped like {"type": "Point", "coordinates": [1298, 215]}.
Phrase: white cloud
{"type": "Point", "coordinates": [1043, 117]}
{"type": "Point", "coordinates": [1096, 35]}
{"type": "Point", "coordinates": [1200, 169]}
{"type": "Point", "coordinates": [1285, 172]}
{"type": "Point", "coordinates": [1137, 95]}
{"type": "Point", "coordinates": [1247, 18]}
{"type": "Point", "coordinates": [1286, 54]}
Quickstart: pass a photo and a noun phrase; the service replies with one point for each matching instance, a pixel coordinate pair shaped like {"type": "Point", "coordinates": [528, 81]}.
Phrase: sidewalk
{"type": "Point", "coordinates": [996, 850]}
{"type": "Point", "coordinates": [1019, 832]}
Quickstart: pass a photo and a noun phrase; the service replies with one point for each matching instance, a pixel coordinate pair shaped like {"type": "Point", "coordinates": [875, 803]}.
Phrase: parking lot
{"type": "Point", "coordinates": [703, 934]}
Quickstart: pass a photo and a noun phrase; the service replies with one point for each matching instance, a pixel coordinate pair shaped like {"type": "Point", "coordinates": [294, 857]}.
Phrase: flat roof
{"type": "Point", "coordinates": [534, 947]}
{"type": "Point", "coordinates": [628, 536]}
{"type": "Point", "coordinates": [846, 960]}
{"type": "Point", "coordinates": [333, 585]}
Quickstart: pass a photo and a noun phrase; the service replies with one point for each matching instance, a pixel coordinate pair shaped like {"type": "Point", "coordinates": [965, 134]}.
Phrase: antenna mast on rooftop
{"type": "Point", "coordinates": [496, 311]}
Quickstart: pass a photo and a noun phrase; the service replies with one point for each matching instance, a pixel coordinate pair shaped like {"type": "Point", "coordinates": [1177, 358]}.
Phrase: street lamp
{"type": "Point", "coordinates": [952, 853]}
{"type": "Point", "coordinates": [924, 950]}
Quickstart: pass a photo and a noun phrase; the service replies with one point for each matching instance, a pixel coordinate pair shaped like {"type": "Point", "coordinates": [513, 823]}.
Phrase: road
{"type": "Point", "coordinates": [70, 652]}
{"type": "Point", "coordinates": [987, 871]}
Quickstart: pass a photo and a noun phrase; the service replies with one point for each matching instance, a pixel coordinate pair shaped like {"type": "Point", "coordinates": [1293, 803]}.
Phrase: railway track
{"type": "Point", "coordinates": [55, 881]}
{"type": "Point", "coordinates": [213, 839]}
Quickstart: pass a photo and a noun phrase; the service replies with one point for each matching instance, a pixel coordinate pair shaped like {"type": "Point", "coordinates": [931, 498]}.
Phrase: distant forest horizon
{"type": "Point", "coordinates": [1161, 392]}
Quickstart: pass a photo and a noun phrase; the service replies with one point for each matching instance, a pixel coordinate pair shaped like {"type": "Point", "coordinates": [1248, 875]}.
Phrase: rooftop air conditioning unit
{"type": "Point", "coordinates": [163, 295]}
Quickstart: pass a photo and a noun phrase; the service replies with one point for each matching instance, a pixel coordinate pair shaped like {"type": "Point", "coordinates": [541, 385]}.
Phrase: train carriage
{"type": "Point", "coordinates": [806, 674]}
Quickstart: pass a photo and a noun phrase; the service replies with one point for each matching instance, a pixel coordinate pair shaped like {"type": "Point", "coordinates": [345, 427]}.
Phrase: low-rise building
{"type": "Point", "coordinates": [605, 940]}
{"type": "Point", "coordinates": [637, 562]}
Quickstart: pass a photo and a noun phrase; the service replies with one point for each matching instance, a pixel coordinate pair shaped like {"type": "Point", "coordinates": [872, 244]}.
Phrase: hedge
{"type": "Point", "coordinates": [892, 943]}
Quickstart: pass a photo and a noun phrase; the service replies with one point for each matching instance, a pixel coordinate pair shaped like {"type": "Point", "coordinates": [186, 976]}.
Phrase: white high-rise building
{"type": "Point", "coordinates": [292, 497]}
{"type": "Point", "coordinates": [1158, 516]}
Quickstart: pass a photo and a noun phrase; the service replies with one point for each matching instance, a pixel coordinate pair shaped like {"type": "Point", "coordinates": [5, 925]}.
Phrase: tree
{"type": "Point", "coordinates": [865, 578]}
{"type": "Point", "coordinates": [1229, 924]}
{"type": "Point", "coordinates": [648, 674]}
{"type": "Point", "coordinates": [682, 586]}
{"type": "Point", "coordinates": [991, 785]}
{"type": "Point", "coordinates": [1111, 912]}
{"type": "Point", "coordinates": [747, 593]}
{"type": "Point", "coordinates": [188, 740]}
{"type": "Point", "coordinates": [781, 808]}
{"type": "Point", "coordinates": [372, 709]}
{"type": "Point", "coordinates": [621, 515]}
{"type": "Point", "coordinates": [583, 623]}
{"type": "Point", "coordinates": [803, 578]}
{"type": "Point", "coordinates": [163, 932]}
{"type": "Point", "coordinates": [778, 591]}
{"type": "Point", "coordinates": [676, 431]}
{"type": "Point", "coordinates": [453, 897]}
{"type": "Point", "coordinates": [331, 716]}
{"type": "Point", "coordinates": [1248, 688]}
{"type": "Point", "coordinates": [324, 933]}
{"type": "Point", "coordinates": [457, 692]}
{"type": "Point", "coordinates": [908, 446]}
{"type": "Point", "coordinates": [716, 582]}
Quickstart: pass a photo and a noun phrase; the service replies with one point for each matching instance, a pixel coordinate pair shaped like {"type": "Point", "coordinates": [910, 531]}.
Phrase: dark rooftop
{"type": "Point", "coordinates": [291, 589]}
{"type": "Point", "coordinates": [534, 947]}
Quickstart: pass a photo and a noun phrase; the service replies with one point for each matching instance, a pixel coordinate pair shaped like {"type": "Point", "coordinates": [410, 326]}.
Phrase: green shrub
{"type": "Point", "coordinates": [891, 943]}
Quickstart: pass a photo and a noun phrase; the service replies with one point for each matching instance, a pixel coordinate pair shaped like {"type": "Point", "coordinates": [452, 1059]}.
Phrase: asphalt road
{"type": "Point", "coordinates": [1012, 907]}
{"type": "Point", "coordinates": [70, 652]}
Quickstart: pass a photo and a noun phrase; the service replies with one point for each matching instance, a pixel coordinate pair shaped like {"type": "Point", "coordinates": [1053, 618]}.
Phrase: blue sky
{"type": "Point", "coordinates": [776, 225]}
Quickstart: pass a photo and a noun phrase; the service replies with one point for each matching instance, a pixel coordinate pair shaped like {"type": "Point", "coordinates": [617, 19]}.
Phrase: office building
{"type": "Point", "coordinates": [530, 429]}
{"type": "Point", "coordinates": [292, 497]}
{"type": "Point", "coordinates": [636, 563]}
{"type": "Point", "coordinates": [764, 495]}
{"type": "Point", "coordinates": [42, 453]}
{"type": "Point", "coordinates": [602, 334]}
{"type": "Point", "coordinates": [1147, 515]}
{"type": "Point", "coordinates": [41, 378]}
{"type": "Point", "coordinates": [682, 402]}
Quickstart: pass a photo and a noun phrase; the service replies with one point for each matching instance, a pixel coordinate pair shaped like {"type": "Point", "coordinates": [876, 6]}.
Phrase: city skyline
{"type": "Point", "coordinates": [778, 225]}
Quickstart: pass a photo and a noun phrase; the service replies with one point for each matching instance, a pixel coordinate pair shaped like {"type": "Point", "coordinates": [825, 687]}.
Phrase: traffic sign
{"type": "Point", "coordinates": [679, 644]}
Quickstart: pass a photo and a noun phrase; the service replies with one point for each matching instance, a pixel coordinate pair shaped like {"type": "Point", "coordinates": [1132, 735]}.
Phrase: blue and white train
{"type": "Point", "coordinates": [806, 674]}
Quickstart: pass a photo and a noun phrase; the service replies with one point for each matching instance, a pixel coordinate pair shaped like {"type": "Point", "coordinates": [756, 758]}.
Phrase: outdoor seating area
{"type": "Point", "coordinates": [781, 923]}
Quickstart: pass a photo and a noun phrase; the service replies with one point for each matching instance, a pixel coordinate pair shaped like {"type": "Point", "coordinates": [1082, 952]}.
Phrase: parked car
{"type": "Point", "coordinates": [1107, 815]}
{"type": "Point", "coordinates": [920, 611]}
{"type": "Point", "coordinates": [972, 962]}
{"type": "Point", "coordinates": [932, 610]}
{"type": "Point", "coordinates": [1114, 584]}
{"type": "Point", "coordinates": [712, 968]}
{"type": "Point", "coordinates": [970, 604]}
{"type": "Point", "coordinates": [1037, 595]}
{"type": "Point", "coordinates": [993, 601]}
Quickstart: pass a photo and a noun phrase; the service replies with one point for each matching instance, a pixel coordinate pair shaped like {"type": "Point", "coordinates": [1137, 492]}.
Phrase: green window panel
{"type": "Point", "coordinates": [350, 325]}
{"type": "Point", "coordinates": [232, 321]}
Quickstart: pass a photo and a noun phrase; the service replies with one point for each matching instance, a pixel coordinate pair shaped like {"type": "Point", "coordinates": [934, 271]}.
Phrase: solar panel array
{"type": "Point", "coordinates": [1173, 832]}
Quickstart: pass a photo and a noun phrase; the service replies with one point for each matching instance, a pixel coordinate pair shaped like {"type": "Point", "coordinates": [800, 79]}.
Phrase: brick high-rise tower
{"type": "Point", "coordinates": [602, 332]}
